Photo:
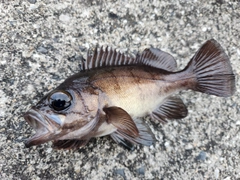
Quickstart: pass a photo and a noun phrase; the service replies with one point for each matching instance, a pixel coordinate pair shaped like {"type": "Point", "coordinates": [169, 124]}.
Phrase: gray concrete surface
{"type": "Point", "coordinates": [41, 43]}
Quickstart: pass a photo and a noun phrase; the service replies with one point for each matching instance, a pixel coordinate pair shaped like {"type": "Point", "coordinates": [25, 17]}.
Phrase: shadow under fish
{"type": "Point", "coordinates": [113, 92]}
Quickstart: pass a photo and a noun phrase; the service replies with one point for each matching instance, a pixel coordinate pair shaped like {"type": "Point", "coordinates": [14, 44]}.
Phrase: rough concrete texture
{"type": "Point", "coordinates": [41, 43]}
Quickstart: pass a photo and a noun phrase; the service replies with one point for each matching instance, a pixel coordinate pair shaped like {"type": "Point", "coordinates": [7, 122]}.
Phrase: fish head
{"type": "Point", "coordinates": [58, 114]}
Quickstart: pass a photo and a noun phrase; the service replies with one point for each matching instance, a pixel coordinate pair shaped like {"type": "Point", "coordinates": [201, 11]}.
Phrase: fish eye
{"type": "Point", "coordinates": [60, 100]}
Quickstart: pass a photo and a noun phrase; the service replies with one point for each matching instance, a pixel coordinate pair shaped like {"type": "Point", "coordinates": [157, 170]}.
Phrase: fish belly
{"type": "Point", "coordinates": [141, 99]}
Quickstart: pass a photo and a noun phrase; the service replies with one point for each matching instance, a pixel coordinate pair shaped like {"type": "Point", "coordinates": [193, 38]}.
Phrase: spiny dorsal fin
{"type": "Point", "coordinates": [106, 58]}
{"type": "Point", "coordinates": [111, 57]}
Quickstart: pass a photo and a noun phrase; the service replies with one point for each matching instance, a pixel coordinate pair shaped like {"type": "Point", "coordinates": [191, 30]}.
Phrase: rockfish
{"type": "Point", "coordinates": [113, 92]}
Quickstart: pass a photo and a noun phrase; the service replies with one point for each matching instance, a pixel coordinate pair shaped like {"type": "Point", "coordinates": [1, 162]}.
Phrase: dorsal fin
{"type": "Point", "coordinates": [156, 58]}
{"type": "Point", "coordinates": [111, 57]}
{"type": "Point", "coordinates": [106, 58]}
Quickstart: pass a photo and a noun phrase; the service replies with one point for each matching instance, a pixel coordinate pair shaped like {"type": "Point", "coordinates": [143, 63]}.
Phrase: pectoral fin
{"type": "Point", "coordinates": [128, 131]}
{"type": "Point", "coordinates": [121, 120]}
{"type": "Point", "coordinates": [172, 108]}
{"type": "Point", "coordinates": [146, 137]}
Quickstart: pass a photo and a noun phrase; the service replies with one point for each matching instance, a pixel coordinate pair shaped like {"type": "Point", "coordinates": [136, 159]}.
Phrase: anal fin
{"type": "Point", "coordinates": [171, 108]}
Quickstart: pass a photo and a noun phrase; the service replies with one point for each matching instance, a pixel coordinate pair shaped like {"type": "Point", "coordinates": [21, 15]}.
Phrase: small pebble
{"type": "Point", "coordinates": [201, 157]}
{"type": "Point", "coordinates": [32, 1]}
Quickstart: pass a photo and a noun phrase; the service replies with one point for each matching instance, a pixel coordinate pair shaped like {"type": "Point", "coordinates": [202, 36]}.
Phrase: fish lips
{"type": "Point", "coordinates": [45, 129]}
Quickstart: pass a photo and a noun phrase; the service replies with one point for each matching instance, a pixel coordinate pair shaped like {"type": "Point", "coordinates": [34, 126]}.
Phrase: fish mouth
{"type": "Point", "coordinates": [44, 128]}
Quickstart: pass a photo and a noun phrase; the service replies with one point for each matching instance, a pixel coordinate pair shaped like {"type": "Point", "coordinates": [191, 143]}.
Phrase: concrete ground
{"type": "Point", "coordinates": [41, 43]}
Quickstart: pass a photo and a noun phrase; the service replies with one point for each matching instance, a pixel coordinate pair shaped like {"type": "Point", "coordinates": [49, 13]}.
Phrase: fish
{"type": "Point", "coordinates": [113, 93]}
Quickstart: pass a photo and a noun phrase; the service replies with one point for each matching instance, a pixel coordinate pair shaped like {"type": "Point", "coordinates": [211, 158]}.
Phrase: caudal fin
{"type": "Point", "coordinates": [212, 70]}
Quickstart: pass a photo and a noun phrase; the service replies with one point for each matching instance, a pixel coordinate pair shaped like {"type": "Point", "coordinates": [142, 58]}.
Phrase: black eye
{"type": "Point", "coordinates": [60, 100]}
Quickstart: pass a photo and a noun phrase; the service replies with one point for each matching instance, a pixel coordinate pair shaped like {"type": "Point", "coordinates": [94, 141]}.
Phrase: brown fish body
{"type": "Point", "coordinates": [136, 89]}
{"type": "Point", "coordinates": [113, 91]}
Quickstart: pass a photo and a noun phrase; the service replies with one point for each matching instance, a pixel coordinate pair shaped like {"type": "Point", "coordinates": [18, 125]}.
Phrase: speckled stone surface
{"type": "Point", "coordinates": [41, 43]}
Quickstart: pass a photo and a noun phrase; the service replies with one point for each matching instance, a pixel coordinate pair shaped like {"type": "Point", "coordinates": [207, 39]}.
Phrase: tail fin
{"type": "Point", "coordinates": [212, 69]}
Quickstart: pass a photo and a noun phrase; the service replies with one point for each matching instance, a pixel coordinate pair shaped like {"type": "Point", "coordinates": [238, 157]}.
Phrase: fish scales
{"type": "Point", "coordinates": [143, 86]}
{"type": "Point", "coordinates": [113, 93]}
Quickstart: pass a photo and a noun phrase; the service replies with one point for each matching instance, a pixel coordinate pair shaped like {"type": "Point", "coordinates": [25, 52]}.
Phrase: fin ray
{"type": "Point", "coordinates": [121, 120]}
{"type": "Point", "coordinates": [111, 57]}
{"type": "Point", "coordinates": [69, 143]}
{"type": "Point", "coordinates": [146, 137]}
{"type": "Point", "coordinates": [212, 69]}
{"type": "Point", "coordinates": [171, 108]}
{"type": "Point", "coordinates": [156, 58]}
